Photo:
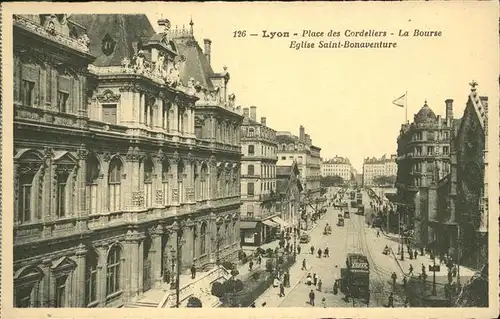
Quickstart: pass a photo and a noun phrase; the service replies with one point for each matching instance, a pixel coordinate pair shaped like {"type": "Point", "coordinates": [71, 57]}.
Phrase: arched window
{"type": "Point", "coordinates": [195, 235]}
{"type": "Point", "coordinates": [227, 235]}
{"type": "Point", "coordinates": [26, 286]}
{"type": "Point", "coordinates": [165, 120]}
{"type": "Point", "coordinates": [204, 181]}
{"type": "Point", "coordinates": [165, 167]}
{"type": "Point", "coordinates": [180, 180]}
{"type": "Point", "coordinates": [203, 235]}
{"type": "Point", "coordinates": [113, 270]}
{"type": "Point", "coordinates": [91, 262]}
{"type": "Point", "coordinates": [148, 182]}
{"type": "Point", "coordinates": [91, 184]}
{"type": "Point", "coordinates": [196, 182]}
{"type": "Point", "coordinates": [114, 184]}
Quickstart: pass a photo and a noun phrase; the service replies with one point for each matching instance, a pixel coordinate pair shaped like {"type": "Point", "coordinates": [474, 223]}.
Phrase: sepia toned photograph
{"type": "Point", "coordinates": [301, 156]}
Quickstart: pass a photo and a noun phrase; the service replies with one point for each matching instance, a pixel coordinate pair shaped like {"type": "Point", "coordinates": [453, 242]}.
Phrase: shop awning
{"type": "Point", "coordinates": [248, 225]}
{"type": "Point", "coordinates": [270, 223]}
{"type": "Point", "coordinates": [280, 221]}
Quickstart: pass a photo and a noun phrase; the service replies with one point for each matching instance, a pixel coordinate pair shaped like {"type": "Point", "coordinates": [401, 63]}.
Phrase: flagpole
{"type": "Point", "coordinates": [406, 107]}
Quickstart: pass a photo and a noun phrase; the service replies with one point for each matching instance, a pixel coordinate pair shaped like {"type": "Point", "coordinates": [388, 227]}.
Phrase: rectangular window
{"type": "Point", "coordinates": [92, 285]}
{"type": "Point", "coordinates": [250, 189]}
{"type": "Point", "coordinates": [251, 170]}
{"type": "Point", "coordinates": [62, 101]}
{"type": "Point", "coordinates": [60, 292]}
{"type": "Point", "coordinates": [250, 211]}
{"type": "Point", "coordinates": [61, 195]}
{"type": "Point", "coordinates": [27, 88]}
{"type": "Point", "coordinates": [430, 150]}
{"type": "Point", "coordinates": [446, 150]}
{"type": "Point", "coordinates": [251, 150]}
{"type": "Point", "coordinates": [283, 157]}
{"type": "Point", "coordinates": [25, 201]}
{"type": "Point", "coordinates": [91, 200]}
{"type": "Point", "coordinates": [109, 113]}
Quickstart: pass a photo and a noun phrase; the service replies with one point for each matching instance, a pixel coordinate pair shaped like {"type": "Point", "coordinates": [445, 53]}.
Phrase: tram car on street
{"type": "Point", "coordinates": [355, 278]}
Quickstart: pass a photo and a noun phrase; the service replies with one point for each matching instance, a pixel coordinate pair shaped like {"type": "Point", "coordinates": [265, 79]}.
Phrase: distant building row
{"type": "Point", "coordinates": [378, 167]}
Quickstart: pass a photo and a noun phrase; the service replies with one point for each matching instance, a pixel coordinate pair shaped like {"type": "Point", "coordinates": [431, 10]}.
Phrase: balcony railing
{"type": "Point", "coordinates": [32, 26]}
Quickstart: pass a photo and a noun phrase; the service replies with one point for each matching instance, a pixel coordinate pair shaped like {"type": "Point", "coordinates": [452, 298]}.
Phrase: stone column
{"type": "Point", "coordinates": [156, 262]}
{"type": "Point", "coordinates": [79, 287]}
{"type": "Point", "coordinates": [132, 275]}
{"type": "Point", "coordinates": [140, 262]}
{"type": "Point", "coordinates": [102, 268]}
{"type": "Point", "coordinates": [82, 210]}
{"type": "Point", "coordinates": [126, 107]}
{"type": "Point", "coordinates": [134, 193]}
{"type": "Point", "coordinates": [158, 114]}
{"type": "Point", "coordinates": [47, 285]}
{"type": "Point", "coordinates": [141, 107]}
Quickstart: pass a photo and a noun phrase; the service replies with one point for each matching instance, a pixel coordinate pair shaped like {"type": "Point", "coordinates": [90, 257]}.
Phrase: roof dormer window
{"type": "Point", "coordinates": [108, 44]}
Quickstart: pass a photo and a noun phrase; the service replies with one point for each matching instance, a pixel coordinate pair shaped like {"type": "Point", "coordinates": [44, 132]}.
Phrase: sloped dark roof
{"type": "Point", "coordinates": [197, 65]}
{"type": "Point", "coordinates": [425, 114]}
{"type": "Point", "coordinates": [455, 125]}
{"type": "Point", "coordinates": [124, 29]}
{"type": "Point", "coordinates": [285, 139]}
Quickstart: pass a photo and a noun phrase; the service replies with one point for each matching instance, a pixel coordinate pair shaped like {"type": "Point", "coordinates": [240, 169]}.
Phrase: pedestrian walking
{"type": "Point", "coordinates": [410, 272]}
{"type": "Point", "coordinates": [415, 255]}
{"type": "Point", "coordinates": [311, 297]}
{"type": "Point", "coordinates": [252, 305]}
{"type": "Point", "coordinates": [335, 287]}
{"type": "Point", "coordinates": [327, 252]}
{"type": "Point", "coordinates": [193, 271]}
{"type": "Point", "coordinates": [323, 302]}
{"type": "Point", "coordinates": [308, 279]}
{"type": "Point", "coordinates": [454, 271]}
{"type": "Point", "coordinates": [315, 279]}
{"type": "Point", "coordinates": [282, 290]}
{"type": "Point", "coordinates": [250, 265]}
{"type": "Point", "coordinates": [298, 249]}
{"type": "Point", "coordinates": [319, 253]}
{"type": "Point", "coordinates": [312, 250]}
{"type": "Point", "coordinates": [423, 269]}
{"type": "Point", "coordinates": [391, 301]}
{"type": "Point", "coordinates": [394, 277]}
{"type": "Point", "coordinates": [404, 282]}
{"type": "Point", "coordinates": [287, 278]}
{"type": "Point", "coordinates": [259, 260]}
{"type": "Point", "coordinates": [320, 284]}
{"type": "Point", "coordinates": [304, 264]}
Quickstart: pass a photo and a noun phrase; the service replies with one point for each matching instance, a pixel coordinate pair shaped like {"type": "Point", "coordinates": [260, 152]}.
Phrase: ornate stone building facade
{"type": "Point", "coordinates": [115, 137]}
{"type": "Point", "coordinates": [259, 216]}
{"type": "Point", "coordinates": [289, 189]}
{"type": "Point", "coordinates": [450, 200]}
{"type": "Point", "coordinates": [465, 222]}
{"type": "Point", "coordinates": [423, 161]}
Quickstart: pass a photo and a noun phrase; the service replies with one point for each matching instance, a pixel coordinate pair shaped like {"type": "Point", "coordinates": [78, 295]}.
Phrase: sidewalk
{"type": "Point", "coordinates": [271, 295]}
{"type": "Point", "coordinates": [441, 276]}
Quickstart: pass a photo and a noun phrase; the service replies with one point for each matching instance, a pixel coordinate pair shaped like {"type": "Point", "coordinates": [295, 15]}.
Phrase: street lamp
{"type": "Point", "coordinates": [177, 228]}
{"type": "Point", "coordinates": [172, 282]}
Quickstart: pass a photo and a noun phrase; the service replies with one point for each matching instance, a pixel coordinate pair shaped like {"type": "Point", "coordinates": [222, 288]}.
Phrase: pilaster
{"type": "Point", "coordinates": [156, 263]}
{"type": "Point", "coordinates": [82, 210]}
{"type": "Point", "coordinates": [79, 287]}
{"type": "Point", "coordinates": [101, 275]}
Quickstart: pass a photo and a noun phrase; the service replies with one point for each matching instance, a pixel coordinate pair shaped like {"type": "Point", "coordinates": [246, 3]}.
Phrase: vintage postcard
{"type": "Point", "coordinates": [282, 159]}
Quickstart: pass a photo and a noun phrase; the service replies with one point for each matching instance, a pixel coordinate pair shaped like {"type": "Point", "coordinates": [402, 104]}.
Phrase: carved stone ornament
{"type": "Point", "coordinates": [106, 157]}
{"type": "Point", "coordinates": [190, 158]}
{"type": "Point", "coordinates": [175, 158]}
{"type": "Point", "coordinates": [108, 97]}
{"type": "Point", "coordinates": [48, 153]}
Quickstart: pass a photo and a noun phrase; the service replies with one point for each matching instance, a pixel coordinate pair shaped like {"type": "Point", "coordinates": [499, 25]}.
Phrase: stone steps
{"type": "Point", "coordinates": [141, 304]}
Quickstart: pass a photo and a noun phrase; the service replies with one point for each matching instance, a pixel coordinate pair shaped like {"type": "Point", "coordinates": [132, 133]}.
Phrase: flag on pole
{"type": "Point", "coordinates": [399, 101]}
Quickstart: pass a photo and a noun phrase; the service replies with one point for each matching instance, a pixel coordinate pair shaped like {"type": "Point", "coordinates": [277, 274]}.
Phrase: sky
{"type": "Point", "coordinates": [343, 97]}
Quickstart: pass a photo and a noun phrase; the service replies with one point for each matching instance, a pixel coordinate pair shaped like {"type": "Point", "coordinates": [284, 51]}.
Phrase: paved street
{"type": "Point", "coordinates": [353, 237]}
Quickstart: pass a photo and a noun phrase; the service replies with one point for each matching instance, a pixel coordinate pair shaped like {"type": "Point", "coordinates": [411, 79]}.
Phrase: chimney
{"type": "Point", "coordinates": [449, 109]}
{"type": "Point", "coordinates": [302, 133]}
{"type": "Point", "coordinates": [263, 121]}
{"type": "Point", "coordinates": [253, 113]}
{"type": "Point", "coordinates": [208, 47]}
{"type": "Point", "coordinates": [246, 112]}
